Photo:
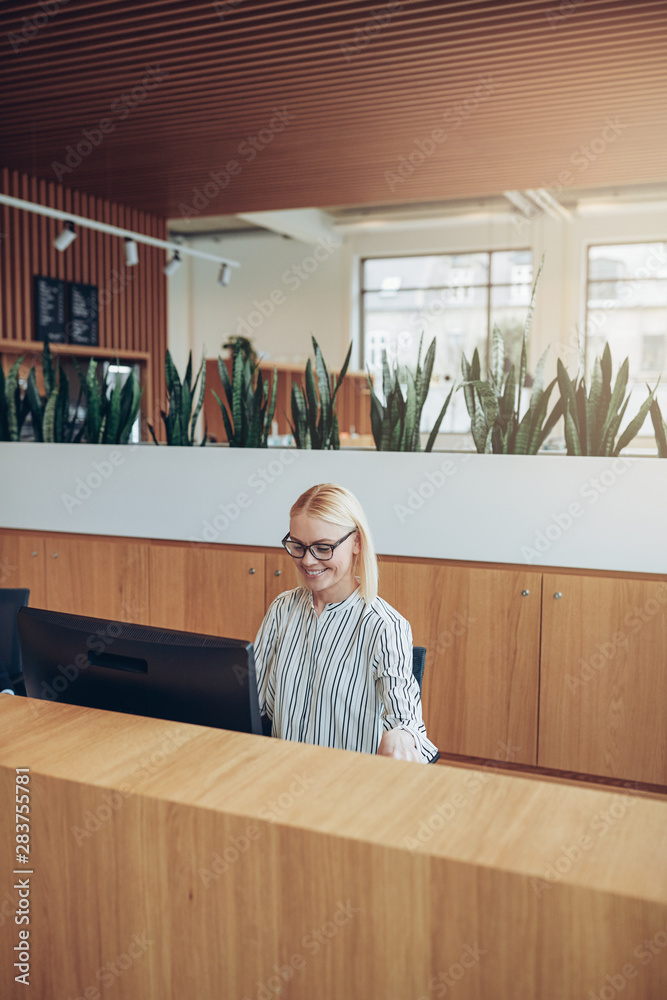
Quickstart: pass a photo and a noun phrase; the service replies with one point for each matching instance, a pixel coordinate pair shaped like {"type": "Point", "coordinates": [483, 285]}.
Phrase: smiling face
{"type": "Point", "coordinates": [330, 580]}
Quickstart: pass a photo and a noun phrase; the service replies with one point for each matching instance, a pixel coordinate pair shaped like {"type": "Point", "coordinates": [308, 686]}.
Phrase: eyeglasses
{"type": "Point", "coordinates": [320, 550]}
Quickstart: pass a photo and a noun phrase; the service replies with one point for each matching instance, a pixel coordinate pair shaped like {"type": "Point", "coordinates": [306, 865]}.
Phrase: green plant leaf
{"type": "Point", "coordinates": [635, 424]}
{"type": "Point", "coordinates": [436, 426]}
{"type": "Point", "coordinates": [36, 405]}
{"type": "Point", "coordinates": [659, 428]}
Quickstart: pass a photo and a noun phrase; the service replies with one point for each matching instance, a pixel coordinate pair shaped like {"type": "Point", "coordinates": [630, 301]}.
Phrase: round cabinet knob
{"type": "Point", "coordinates": [558, 595]}
{"type": "Point", "coordinates": [525, 593]}
{"type": "Point", "coordinates": [251, 570]}
{"type": "Point", "coordinates": [33, 553]}
{"type": "Point", "coordinates": [55, 555]}
{"type": "Point", "coordinates": [278, 572]}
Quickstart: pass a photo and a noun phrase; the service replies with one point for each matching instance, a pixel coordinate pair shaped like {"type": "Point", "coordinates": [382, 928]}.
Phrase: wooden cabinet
{"type": "Point", "coordinates": [603, 674]}
{"type": "Point", "coordinates": [22, 564]}
{"type": "Point", "coordinates": [207, 588]}
{"type": "Point", "coordinates": [100, 577]}
{"type": "Point", "coordinates": [481, 628]}
{"type": "Point", "coordinates": [499, 640]}
{"type": "Point", "coordinates": [280, 574]}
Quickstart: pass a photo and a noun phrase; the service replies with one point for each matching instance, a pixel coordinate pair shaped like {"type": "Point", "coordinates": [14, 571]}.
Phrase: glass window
{"type": "Point", "coordinates": [456, 298]}
{"type": "Point", "coordinates": [626, 305]}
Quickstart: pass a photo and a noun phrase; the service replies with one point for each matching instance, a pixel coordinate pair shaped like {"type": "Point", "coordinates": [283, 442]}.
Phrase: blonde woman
{"type": "Point", "coordinates": [333, 660]}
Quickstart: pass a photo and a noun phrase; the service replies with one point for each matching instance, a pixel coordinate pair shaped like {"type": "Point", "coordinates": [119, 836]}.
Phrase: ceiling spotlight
{"type": "Point", "coordinates": [65, 237]}
{"type": "Point", "coordinates": [173, 265]}
{"type": "Point", "coordinates": [225, 275]}
{"type": "Point", "coordinates": [131, 252]}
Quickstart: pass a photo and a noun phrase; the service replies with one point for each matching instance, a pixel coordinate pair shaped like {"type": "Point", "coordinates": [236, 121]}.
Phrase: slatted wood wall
{"type": "Point", "coordinates": [133, 300]}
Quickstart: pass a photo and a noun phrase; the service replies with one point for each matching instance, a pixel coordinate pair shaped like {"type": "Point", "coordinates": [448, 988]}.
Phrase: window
{"type": "Point", "coordinates": [626, 305]}
{"type": "Point", "coordinates": [456, 298]}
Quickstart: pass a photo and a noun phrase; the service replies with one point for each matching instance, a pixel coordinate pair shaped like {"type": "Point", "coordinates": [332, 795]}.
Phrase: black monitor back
{"type": "Point", "coordinates": [124, 667]}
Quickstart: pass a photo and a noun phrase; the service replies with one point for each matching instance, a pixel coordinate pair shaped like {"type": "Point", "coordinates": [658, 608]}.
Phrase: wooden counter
{"type": "Point", "coordinates": [170, 860]}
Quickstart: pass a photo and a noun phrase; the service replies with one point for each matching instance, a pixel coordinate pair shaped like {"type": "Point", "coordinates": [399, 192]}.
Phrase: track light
{"type": "Point", "coordinates": [131, 252]}
{"type": "Point", "coordinates": [225, 275]}
{"type": "Point", "coordinates": [173, 265]}
{"type": "Point", "coordinates": [65, 237]}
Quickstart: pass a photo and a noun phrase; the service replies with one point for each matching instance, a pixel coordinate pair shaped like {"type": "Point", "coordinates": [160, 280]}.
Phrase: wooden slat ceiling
{"type": "Point", "coordinates": [362, 84]}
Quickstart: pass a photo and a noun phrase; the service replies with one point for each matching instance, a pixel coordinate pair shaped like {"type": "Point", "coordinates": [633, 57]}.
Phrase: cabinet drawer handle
{"type": "Point", "coordinates": [251, 570]}
{"type": "Point", "coordinates": [278, 572]}
{"type": "Point", "coordinates": [558, 595]}
{"type": "Point", "coordinates": [525, 593]}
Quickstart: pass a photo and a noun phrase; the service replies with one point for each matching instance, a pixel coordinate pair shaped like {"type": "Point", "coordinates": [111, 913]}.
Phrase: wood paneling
{"type": "Point", "coordinates": [480, 690]}
{"type": "Point", "coordinates": [132, 313]}
{"type": "Point", "coordinates": [185, 856]}
{"type": "Point", "coordinates": [22, 564]}
{"type": "Point", "coordinates": [211, 589]}
{"type": "Point", "coordinates": [520, 95]}
{"type": "Point", "coordinates": [603, 677]}
{"type": "Point", "coordinates": [104, 578]}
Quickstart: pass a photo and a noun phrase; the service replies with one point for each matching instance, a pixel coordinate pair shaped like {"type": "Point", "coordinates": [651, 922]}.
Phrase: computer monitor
{"type": "Point", "coordinates": [139, 669]}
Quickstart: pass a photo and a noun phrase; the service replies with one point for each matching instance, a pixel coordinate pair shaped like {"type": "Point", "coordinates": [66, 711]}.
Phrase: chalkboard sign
{"type": "Point", "coordinates": [49, 309]}
{"type": "Point", "coordinates": [83, 313]}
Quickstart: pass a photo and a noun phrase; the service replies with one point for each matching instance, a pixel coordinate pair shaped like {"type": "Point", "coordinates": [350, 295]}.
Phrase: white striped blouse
{"type": "Point", "coordinates": [340, 679]}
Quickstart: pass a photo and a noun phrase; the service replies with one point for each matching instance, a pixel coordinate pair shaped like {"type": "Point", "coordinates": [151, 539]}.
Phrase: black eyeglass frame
{"type": "Point", "coordinates": [309, 548]}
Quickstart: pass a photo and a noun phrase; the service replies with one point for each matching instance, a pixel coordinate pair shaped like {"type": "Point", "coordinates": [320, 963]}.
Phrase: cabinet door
{"type": "Point", "coordinates": [603, 708]}
{"type": "Point", "coordinates": [280, 574]}
{"type": "Point", "coordinates": [22, 564]}
{"type": "Point", "coordinates": [100, 577]}
{"type": "Point", "coordinates": [482, 634]}
{"type": "Point", "coordinates": [206, 588]}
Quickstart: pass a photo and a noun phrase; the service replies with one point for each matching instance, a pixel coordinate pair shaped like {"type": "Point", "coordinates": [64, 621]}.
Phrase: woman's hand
{"type": "Point", "coordinates": [399, 743]}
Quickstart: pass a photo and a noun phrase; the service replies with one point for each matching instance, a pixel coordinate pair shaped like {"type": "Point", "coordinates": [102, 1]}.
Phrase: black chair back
{"type": "Point", "coordinates": [418, 661]}
{"type": "Point", "coordinates": [11, 670]}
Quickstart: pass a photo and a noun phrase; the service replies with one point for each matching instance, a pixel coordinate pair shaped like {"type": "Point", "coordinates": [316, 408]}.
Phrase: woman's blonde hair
{"type": "Point", "coordinates": [336, 505]}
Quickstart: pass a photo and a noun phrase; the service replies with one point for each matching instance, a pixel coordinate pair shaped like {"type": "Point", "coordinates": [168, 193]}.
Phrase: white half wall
{"type": "Point", "coordinates": [589, 513]}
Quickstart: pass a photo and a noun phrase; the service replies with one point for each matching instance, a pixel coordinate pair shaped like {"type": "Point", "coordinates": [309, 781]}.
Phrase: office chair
{"type": "Point", "coordinates": [11, 670]}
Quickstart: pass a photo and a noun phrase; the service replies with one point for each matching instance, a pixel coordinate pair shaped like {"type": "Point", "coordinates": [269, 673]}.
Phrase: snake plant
{"type": "Point", "coordinates": [314, 420]}
{"type": "Point", "coordinates": [13, 405]}
{"type": "Point", "coordinates": [50, 414]}
{"type": "Point", "coordinates": [592, 419]}
{"type": "Point", "coordinates": [494, 404]}
{"type": "Point", "coordinates": [180, 421]}
{"type": "Point", "coordinates": [395, 424]}
{"type": "Point", "coordinates": [251, 408]}
{"type": "Point", "coordinates": [660, 428]}
{"type": "Point", "coordinates": [110, 416]}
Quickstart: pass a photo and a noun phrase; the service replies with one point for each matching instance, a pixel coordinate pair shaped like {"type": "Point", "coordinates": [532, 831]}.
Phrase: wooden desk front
{"type": "Point", "coordinates": [170, 861]}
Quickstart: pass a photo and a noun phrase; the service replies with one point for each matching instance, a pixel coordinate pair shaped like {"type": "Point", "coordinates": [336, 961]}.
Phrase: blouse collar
{"type": "Point", "coordinates": [336, 606]}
